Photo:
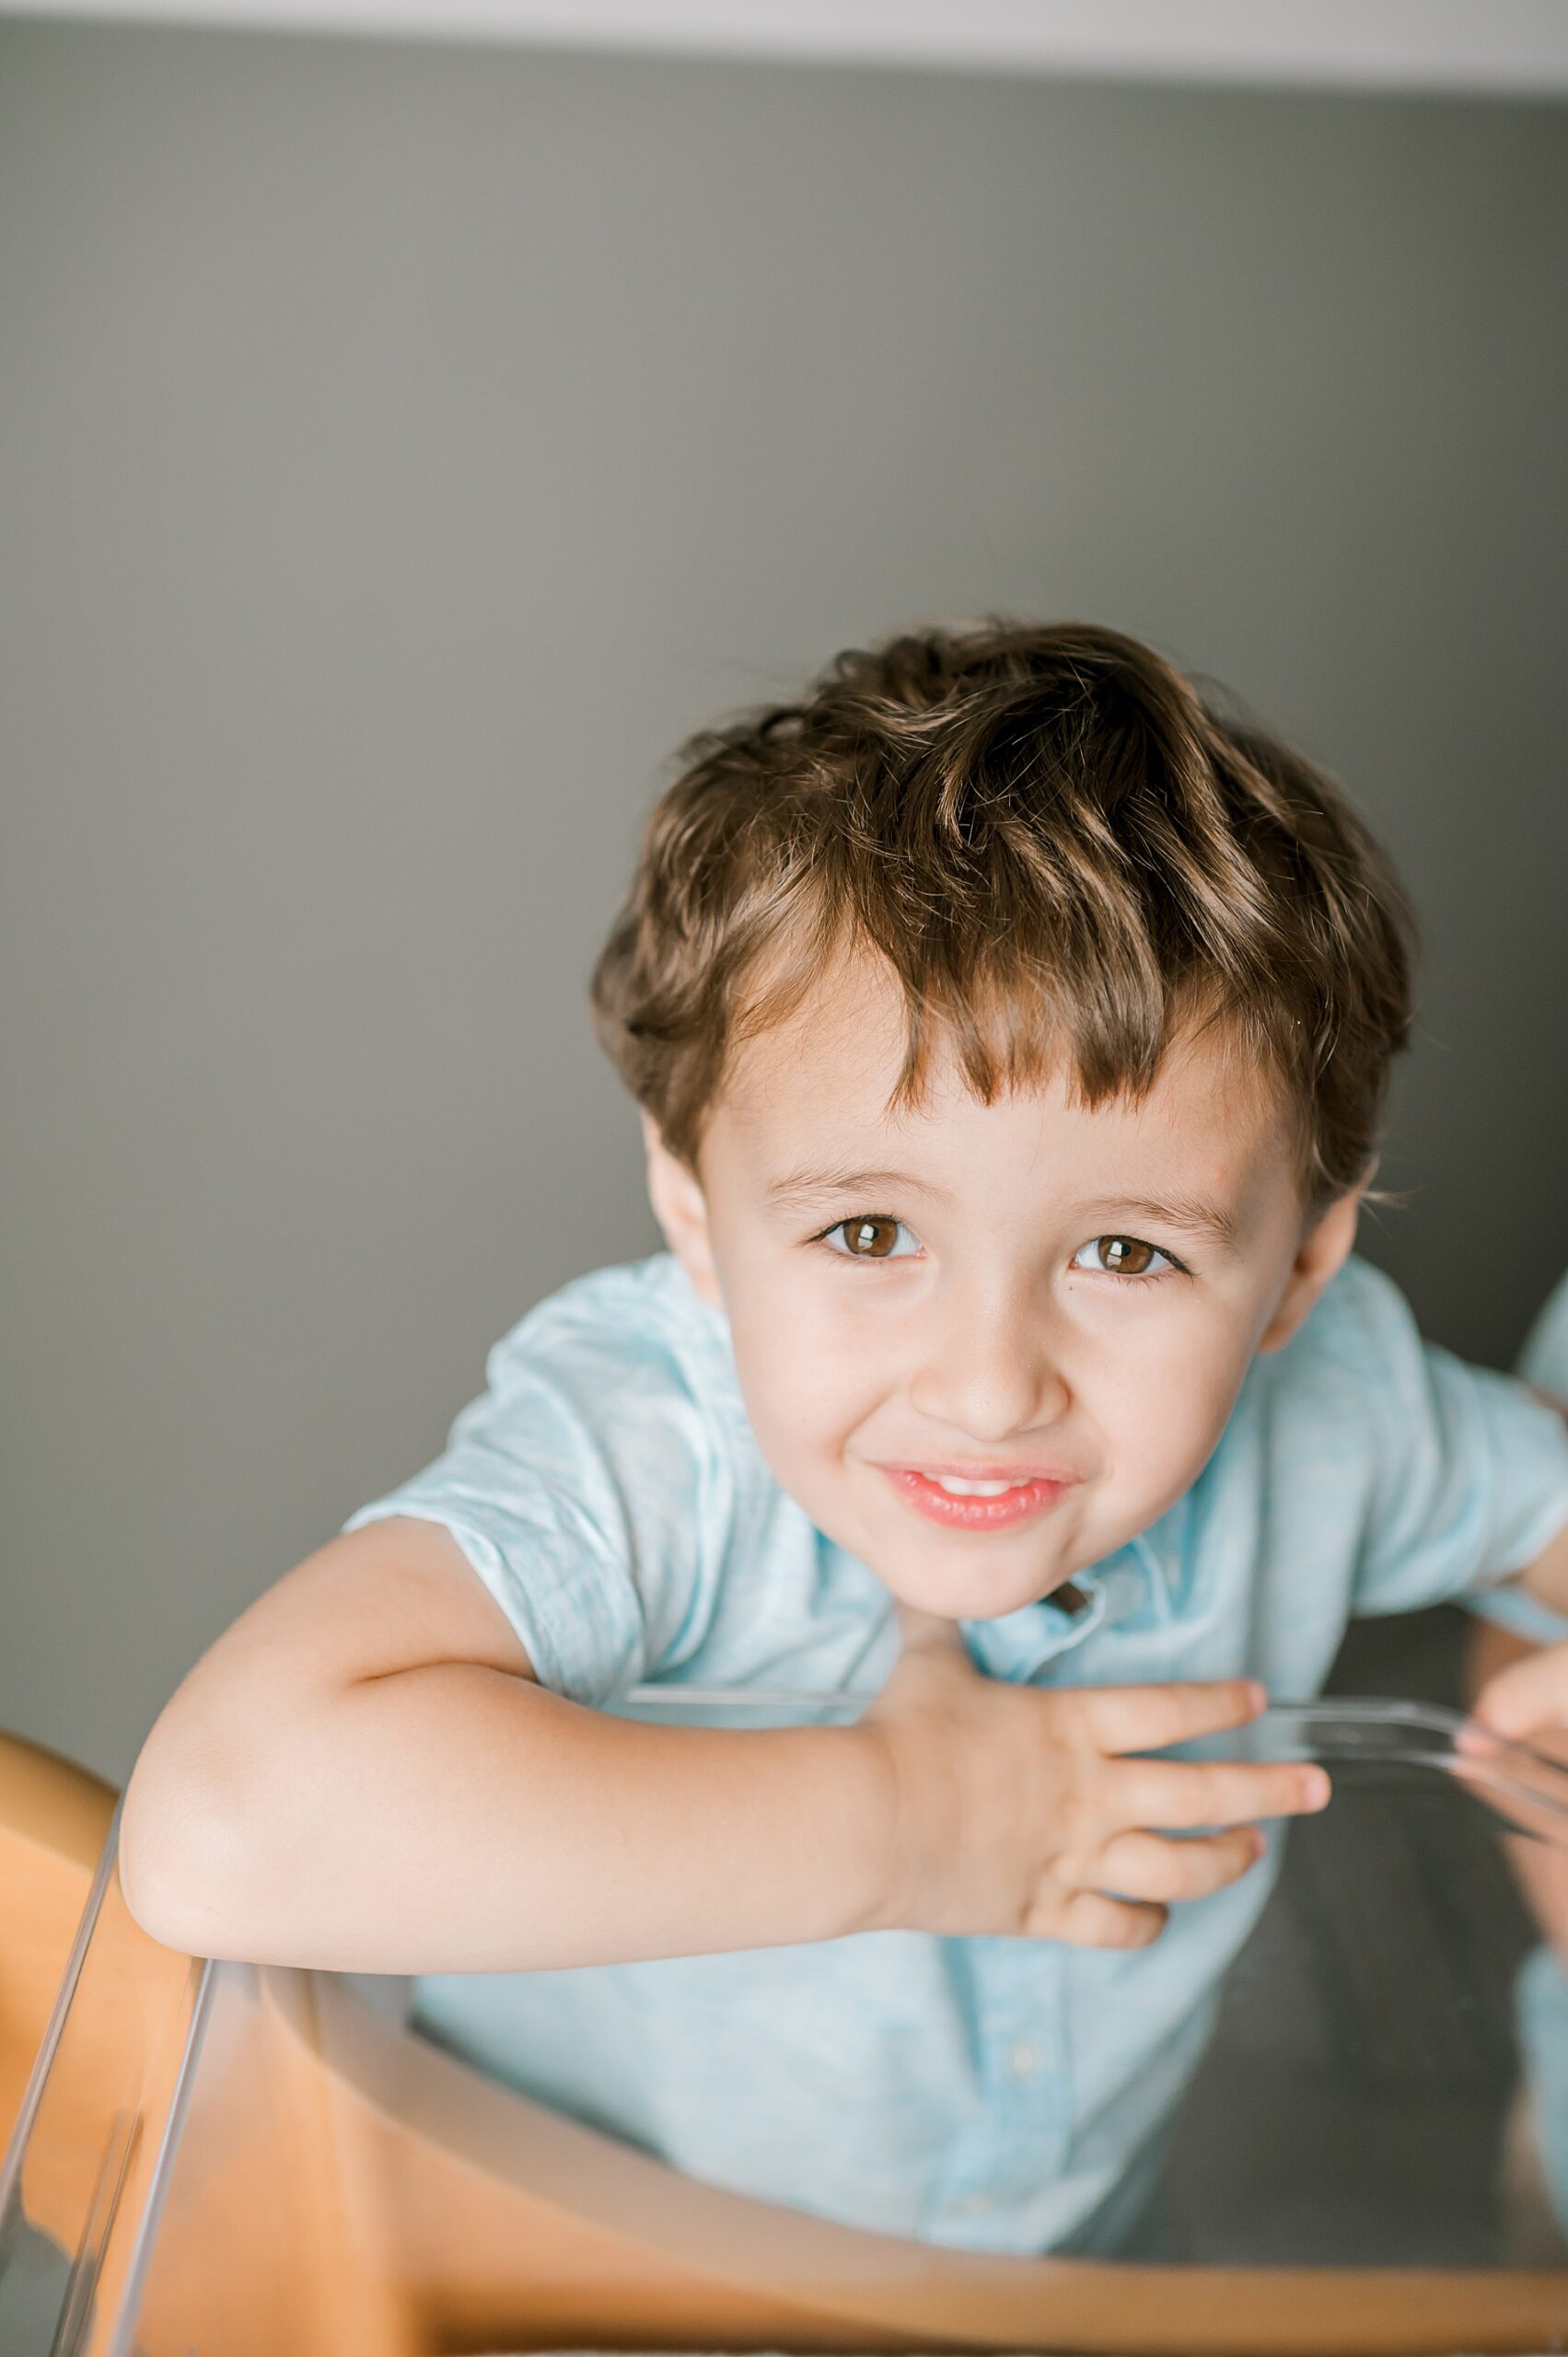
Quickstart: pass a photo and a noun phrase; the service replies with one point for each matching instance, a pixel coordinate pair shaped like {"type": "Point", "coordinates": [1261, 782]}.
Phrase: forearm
{"type": "Point", "coordinates": [453, 1818]}
{"type": "Point", "coordinates": [1539, 1867]}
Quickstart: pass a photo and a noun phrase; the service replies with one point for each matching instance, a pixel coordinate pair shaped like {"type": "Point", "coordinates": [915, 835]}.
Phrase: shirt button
{"type": "Point", "coordinates": [1023, 2060]}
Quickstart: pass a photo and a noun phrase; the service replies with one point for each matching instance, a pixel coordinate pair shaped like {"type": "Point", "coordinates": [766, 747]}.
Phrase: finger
{"type": "Point", "coordinates": [1141, 1865]}
{"type": "Point", "coordinates": [1527, 1695]}
{"type": "Point", "coordinates": [1090, 1920]}
{"type": "Point", "coordinates": [1176, 1793]}
{"type": "Point", "coordinates": [1146, 1718]}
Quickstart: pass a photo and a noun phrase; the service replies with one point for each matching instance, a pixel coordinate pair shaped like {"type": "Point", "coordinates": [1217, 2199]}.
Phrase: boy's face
{"type": "Point", "coordinates": [1026, 1292]}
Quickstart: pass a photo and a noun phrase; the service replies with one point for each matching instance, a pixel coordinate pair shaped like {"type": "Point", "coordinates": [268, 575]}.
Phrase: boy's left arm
{"type": "Point", "coordinates": [1520, 1689]}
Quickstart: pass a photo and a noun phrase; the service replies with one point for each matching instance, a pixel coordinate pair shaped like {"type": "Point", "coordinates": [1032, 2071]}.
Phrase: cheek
{"type": "Point", "coordinates": [808, 1373]}
{"type": "Point", "coordinates": [1163, 1407]}
{"type": "Point", "coordinates": [807, 1405]}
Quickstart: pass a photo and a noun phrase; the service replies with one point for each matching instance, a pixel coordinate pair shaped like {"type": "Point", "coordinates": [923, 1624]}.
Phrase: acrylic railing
{"type": "Point", "coordinates": [226, 2161]}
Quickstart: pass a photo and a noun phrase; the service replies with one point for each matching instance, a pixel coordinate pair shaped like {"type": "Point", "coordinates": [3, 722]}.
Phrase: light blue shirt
{"type": "Point", "coordinates": [990, 2093]}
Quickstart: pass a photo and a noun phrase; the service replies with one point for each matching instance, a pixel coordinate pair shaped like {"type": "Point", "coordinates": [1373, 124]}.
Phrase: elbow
{"type": "Point", "coordinates": [181, 1849]}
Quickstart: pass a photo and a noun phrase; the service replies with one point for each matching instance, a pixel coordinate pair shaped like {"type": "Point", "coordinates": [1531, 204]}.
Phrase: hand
{"type": "Point", "coordinates": [1015, 1811]}
{"type": "Point", "coordinates": [1528, 1699]}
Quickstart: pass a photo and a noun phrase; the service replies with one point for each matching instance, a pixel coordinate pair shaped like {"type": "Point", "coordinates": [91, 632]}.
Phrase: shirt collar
{"type": "Point", "coordinates": [1142, 1583]}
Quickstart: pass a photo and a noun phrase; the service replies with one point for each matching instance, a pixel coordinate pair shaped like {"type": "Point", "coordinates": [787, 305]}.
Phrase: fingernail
{"type": "Point", "coordinates": [1257, 1695]}
{"type": "Point", "coordinates": [1316, 1788]}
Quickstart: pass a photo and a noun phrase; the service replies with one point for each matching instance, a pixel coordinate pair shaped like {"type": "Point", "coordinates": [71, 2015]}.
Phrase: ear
{"type": "Point", "coordinates": [1322, 1253]}
{"type": "Point", "coordinates": [682, 1211]}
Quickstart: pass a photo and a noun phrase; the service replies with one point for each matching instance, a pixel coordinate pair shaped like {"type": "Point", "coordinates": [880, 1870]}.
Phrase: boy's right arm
{"type": "Point", "coordinates": [361, 1774]}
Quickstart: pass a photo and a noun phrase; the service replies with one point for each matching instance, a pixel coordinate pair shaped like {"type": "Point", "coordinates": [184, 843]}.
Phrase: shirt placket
{"type": "Point", "coordinates": [1020, 2139]}
{"type": "Point", "coordinates": [1019, 2145]}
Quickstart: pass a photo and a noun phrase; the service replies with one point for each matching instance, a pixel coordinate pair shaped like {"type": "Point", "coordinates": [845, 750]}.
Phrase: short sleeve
{"type": "Point", "coordinates": [1471, 1475]}
{"type": "Point", "coordinates": [584, 1488]}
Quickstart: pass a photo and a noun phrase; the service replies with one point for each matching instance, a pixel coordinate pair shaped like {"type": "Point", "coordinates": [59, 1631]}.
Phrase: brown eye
{"type": "Point", "coordinates": [1124, 1254]}
{"type": "Point", "coordinates": [869, 1240]}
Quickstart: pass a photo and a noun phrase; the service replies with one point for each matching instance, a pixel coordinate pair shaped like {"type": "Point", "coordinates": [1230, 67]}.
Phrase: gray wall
{"type": "Point", "coordinates": [400, 447]}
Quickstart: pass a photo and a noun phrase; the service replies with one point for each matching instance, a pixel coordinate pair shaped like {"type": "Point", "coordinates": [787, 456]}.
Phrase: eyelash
{"type": "Point", "coordinates": [878, 1219]}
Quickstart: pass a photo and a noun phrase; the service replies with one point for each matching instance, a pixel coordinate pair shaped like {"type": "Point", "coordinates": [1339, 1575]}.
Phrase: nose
{"type": "Point", "coordinates": [987, 1366]}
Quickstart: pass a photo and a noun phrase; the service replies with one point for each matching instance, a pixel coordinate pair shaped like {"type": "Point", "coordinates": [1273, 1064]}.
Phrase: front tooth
{"type": "Point", "coordinates": [971, 1489]}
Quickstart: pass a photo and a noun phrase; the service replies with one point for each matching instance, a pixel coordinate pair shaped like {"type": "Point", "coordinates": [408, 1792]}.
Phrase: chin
{"type": "Point", "coordinates": [972, 1595]}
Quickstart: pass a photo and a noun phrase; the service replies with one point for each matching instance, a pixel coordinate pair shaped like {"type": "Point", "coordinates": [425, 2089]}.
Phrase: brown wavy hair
{"type": "Point", "coordinates": [1056, 842]}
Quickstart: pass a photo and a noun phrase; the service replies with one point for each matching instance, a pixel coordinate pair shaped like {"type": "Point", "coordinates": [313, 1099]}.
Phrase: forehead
{"type": "Point", "coordinates": [814, 1091]}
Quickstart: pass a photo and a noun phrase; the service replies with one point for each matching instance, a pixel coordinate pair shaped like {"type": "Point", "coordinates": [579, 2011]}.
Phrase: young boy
{"type": "Point", "coordinates": [1010, 1030]}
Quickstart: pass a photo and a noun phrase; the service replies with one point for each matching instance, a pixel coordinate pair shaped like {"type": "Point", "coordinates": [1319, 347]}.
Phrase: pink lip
{"type": "Point", "coordinates": [1031, 1497]}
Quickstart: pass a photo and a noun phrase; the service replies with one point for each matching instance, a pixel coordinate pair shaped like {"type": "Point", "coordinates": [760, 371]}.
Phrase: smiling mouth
{"type": "Point", "coordinates": [972, 1502]}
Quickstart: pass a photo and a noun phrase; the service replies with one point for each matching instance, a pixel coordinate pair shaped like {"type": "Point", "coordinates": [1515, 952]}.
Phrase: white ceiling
{"type": "Point", "coordinates": [1497, 45]}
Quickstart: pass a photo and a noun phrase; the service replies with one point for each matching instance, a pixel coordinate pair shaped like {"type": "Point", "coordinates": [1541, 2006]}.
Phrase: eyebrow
{"type": "Point", "coordinates": [811, 1185]}
{"type": "Point", "coordinates": [1190, 1213]}
{"type": "Point", "coordinates": [1186, 1212]}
